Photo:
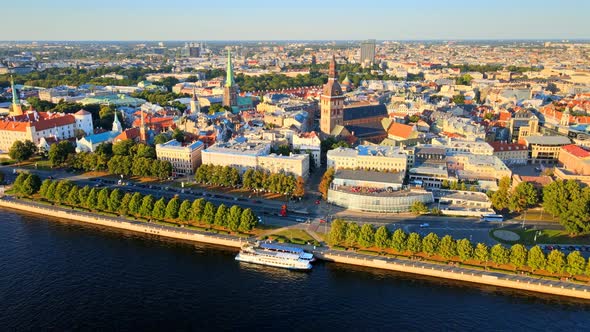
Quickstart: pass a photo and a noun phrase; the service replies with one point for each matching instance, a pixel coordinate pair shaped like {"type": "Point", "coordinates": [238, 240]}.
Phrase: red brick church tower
{"type": "Point", "coordinates": [331, 101]}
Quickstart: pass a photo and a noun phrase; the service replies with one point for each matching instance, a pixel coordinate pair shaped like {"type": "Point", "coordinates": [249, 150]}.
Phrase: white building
{"type": "Point", "coordinates": [245, 155]}
{"type": "Point", "coordinates": [309, 143]}
{"type": "Point", "coordinates": [367, 157]}
{"type": "Point", "coordinates": [35, 125]}
{"type": "Point", "coordinates": [184, 159]}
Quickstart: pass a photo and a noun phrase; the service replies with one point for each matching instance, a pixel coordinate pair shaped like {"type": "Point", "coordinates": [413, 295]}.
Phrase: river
{"type": "Point", "coordinates": [62, 275]}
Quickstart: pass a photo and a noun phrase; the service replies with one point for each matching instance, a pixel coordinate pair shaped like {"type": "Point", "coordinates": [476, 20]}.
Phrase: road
{"type": "Point", "coordinates": [458, 227]}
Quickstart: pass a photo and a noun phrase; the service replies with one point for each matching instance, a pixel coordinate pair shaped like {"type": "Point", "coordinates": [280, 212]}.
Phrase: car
{"type": "Point", "coordinates": [299, 219]}
{"type": "Point", "coordinates": [587, 248]}
{"type": "Point", "coordinates": [548, 247]}
{"type": "Point", "coordinates": [570, 248]}
{"type": "Point", "coordinates": [538, 169]}
{"type": "Point", "coordinates": [322, 220]}
{"type": "Point", "coordinates": [424, 225]}
{"type": "Point", "coordinates": [317, 201]}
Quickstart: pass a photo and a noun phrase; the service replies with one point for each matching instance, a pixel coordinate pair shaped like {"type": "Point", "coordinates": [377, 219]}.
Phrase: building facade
{"type": "Point", "coordinates": [184, 159]}
{"type": "Point", "coordinates": [368, 157]}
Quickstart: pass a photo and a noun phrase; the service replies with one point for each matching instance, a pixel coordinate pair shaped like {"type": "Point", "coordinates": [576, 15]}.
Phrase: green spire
{"type": "Point", "coordinates": [15, 100]}
{"type": "Point", "coordinates": [229, 77]}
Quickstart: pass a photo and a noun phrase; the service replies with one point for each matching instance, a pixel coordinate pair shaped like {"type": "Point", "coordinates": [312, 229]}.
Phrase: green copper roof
{"type": "Point", "coordinates": [15, 100]}
{"type": "Point", "coordinates": [229, 77]}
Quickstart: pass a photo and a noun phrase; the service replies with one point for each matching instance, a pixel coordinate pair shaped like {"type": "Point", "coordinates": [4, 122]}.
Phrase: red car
{"type": "Point", "coordinates": [317, 202]}
{"type": "Point", "coordinates": [322, 220]}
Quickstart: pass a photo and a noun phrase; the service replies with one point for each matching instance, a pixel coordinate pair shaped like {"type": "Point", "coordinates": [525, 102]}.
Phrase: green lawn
{"type": "Point", "coordinates": [296, 236]}
{"type": "Point", "coordinates": [547, 236]}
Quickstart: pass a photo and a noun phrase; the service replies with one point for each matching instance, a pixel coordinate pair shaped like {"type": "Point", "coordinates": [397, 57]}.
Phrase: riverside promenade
{"type": "Point", "coordinates": [522, 282]}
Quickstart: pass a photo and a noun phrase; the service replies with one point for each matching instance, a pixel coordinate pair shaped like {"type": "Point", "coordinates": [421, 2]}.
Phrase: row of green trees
{"type": "Point", "coordinates": [252, 179]}
{"type": "Point", "coordinates": [350, 234]}
{"type": "Point", "coordinates": [135, 204]}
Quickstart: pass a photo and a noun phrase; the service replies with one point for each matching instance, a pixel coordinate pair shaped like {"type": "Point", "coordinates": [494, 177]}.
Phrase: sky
{"type": "Point", "coordinates": [294, 20]}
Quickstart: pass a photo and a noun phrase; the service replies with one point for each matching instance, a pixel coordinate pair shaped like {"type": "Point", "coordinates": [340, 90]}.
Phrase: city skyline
{"type": "Point", "coordinates": [178, 20]}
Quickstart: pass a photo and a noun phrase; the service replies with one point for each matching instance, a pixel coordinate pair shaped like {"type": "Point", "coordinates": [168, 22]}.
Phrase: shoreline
{"type": "Point", "coordinates": [530, 284]}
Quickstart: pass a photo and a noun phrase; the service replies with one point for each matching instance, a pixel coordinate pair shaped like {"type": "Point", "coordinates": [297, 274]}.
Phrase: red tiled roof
{"type": "Point", "coordinates": [400, 130]}
{"type": "Point", "coordinates": [130, 133]}
{"type": "Point", "coordinates": [576, 151]}
{"type": "Point", "coordinates": [54, 122]}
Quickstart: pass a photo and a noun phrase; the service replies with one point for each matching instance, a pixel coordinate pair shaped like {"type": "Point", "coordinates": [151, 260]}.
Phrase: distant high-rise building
{"type": "Point", "coordinates": [368, 53]}
{"type": "Point", "coordinates": [331, 102]}
{"type": "Point", "coordinates": [192, 50]}
{"type": "Point", "coordinates": [230, 91]}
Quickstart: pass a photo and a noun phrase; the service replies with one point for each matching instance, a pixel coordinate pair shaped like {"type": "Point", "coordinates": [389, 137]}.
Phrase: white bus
{"type": "Point", "coordinates": [492, 217]}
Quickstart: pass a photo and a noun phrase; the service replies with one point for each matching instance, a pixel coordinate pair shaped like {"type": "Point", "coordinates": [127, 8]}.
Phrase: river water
{"type": "Point", "coordinates": [61, 275]}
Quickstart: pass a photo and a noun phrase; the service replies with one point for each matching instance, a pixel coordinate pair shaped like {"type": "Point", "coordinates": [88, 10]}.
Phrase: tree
{"type": "Point", "coordinates": [31, 185]}
{"type": "Point", "coordinates": [430, 243]}
{"type": "Point", "coordinates": [159, 210]}
{"type": "Point", "coordinates": [352, 234]}
{"type": "Point", "coordinates": [73, 196]}
{"type": "Point", "coordinates": [447, 247]}
{"type": "Point", "coordinates": [501, 198]}
{"type": "Point", "coordinates": [398, 240]}
{"type": "Point", "coordinates": [92, 199]}
{"type": "Point", "coordinates": [135, 204]}
{"type": "Point", "coordinates": [208, 213]}
{"type": "Point", "coordinates": [337, 233]}
{"type": "Point", "coordinates": [414, 243]}
{"type": "Point", "coordinates": [575, 263]}
{"type": "Point", "coordinates": [18, 182]}
{"type": "Point", "coordinates": [382, 237]}
{"type": "Point", "coordinates": [518, 254]}
{"type": "Point", "coordinates": [102, 204]}
{"type": "Point", "coordinates": [62, 190]}
{"type": "Point", "coordinates": [536, 258]}
{"type": "Point", "coordinates": [418, 208]}
{"type": "Point", "coordinates": [197, 209]}
{"type": "Point", "coordinates": [161, 139]}
{"type": "Point", "coordinates": [556, 195]}
{"type": "Point", "coordinates": [59, 152]}
{"type": "Point", "coordinates": [221, 216]}
{"type": "Point", "coordinates": [299, 187]}
{"type": "Point", "coordinates": [481, 253]}
{"type": "Point", "coordinates": [172, 208]}
{"type": "Point", "coordinates": [178, 135]}
{"type": "Point", "coordinates": [523, 196]}
{"type": "Point", "coordinates": [83, 195]}
{"type": "Point", "coordinates": [458, 99]}
{"type": "Point", "coordinates": [499, 254]}
{"type": "Point", "coordinates": [555, 261]}
{"type": "Point", "coordinates": [576, 218]}
{"type": "Point", "coordinates": [147, 206]}
{"type": "Point", "coordinates": [184, 213]}
{"type": "Point", "coordinates": [326, 181]}
{"type": "Point", "coordinates": [233, 218]}
{"type": "Point", "coordinates": [124, 147]}
{"type": "Point", "coordinates": [124, 206]}
{"type": "Point", "coordinates": [464, 249]}
{"type": "Point", "coordinates": [366, 236]}
{"type": "Point", "coordinates": [247, 220]}
{"type": "Point", "coordinates": [21, 151]}
{"type": "Point", "coordinates": [44, 186]}
{"type": "Point", "coordinates": [115, 200]}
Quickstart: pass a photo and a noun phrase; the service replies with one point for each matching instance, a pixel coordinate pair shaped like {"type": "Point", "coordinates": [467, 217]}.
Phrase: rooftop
{"type": "Point", "coordinates": [576, 151]}
{"type": "Point", "coordinates": [547, 140]}
{"type": "Point", "coordinates": [371, 176]}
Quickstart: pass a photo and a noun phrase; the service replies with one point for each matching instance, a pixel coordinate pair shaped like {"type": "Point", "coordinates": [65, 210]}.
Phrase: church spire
{"type": "Point", "coordinates": [195, 105]}
{"type": "Point", "coordinates": [15, 100]}
{"type": "Point", "coordinates": [229, 77]}
{"type": "Point", "coordinates": [333, 73]}
{"type": "Point", "coordinates": [16, 106]}
{"type": "Point", "coordinates": [117, 124]}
